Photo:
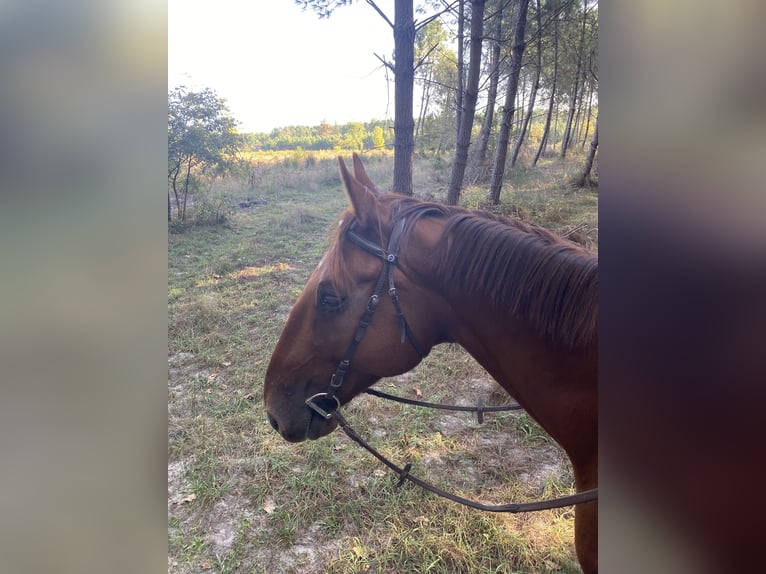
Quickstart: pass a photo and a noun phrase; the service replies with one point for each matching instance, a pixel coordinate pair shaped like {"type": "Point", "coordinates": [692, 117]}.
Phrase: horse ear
{"type": "Point", "coordinates": [362, 198]}
{"type": "Point", "coordinates": [361, 175]}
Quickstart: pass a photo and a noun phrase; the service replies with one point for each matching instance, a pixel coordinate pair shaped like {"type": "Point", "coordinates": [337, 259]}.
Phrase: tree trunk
{"type": "Point", "coordinates": [501, 151]}
{"type": "Point", "coordinates": [494, 77]}
{"type": "Point", "coordinates": [547, 128]}
{"type": "Point", "coordinates": [175, 190]}
{"type": "Point", "coordinates": [533, 95]}
{"type": "Point", "coordinates": [574, 136]}
{"type": "Point", "coordinates": [570, 114]}
{"type": "Point", "coordinates": [589, 114]}
{"type": "Point", "coordinates": [575, 86]}
{"type": "Point", "coordinates": [424, 102]}
{"type": "Point", "coordinates": [169, 210]}
{"type": "Point", "coordinates": [459, 93]}
{"type": "Point", "coordinates": [404, 81]}
{"type": "Point", "coordinates": [584, 179]}
{"type": "Point", "coordinates": [186, 189]}
{"type": "Point", "coordinates": [521, 101]}
{"type": "Point", "coordinates": [471, 95]}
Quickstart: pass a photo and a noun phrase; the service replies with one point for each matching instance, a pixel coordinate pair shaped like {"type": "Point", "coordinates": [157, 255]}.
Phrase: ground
{"type": "Point", "coordinates": [240, 499]}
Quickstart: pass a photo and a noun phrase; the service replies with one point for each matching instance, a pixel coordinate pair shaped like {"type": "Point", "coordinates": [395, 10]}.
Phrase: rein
{"type": "Point", "coordinates": [390, 259]}
{"type": "Point", "coordinates": [513, 507]}
{"type": "Point", "coordinates": [479, 409]}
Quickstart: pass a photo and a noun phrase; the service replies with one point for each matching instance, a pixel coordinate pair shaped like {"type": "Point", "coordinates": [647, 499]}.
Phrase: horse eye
{"type": "Point", "coordinates": [330, 301]}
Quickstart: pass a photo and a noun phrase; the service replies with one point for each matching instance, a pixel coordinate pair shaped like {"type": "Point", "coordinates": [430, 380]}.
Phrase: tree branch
{"type": "Point", "coordinates": [380, 12]}
{"type": "Point", "coordinates": [423, 59]}
{"type": "Point", "coordinates": [386, 64]}
{"type": "Point", "coordinates": [427, 21]}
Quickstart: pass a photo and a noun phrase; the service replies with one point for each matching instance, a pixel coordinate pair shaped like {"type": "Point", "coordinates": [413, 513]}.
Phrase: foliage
{"type": "Point", "coordinates": [202, 142]}
{"type": "Point", "coordinates": [323, 8]}
{"type": "Point", "coordinates": [353, 136]}
{"type": "Point", "coordinates": [436, 75]}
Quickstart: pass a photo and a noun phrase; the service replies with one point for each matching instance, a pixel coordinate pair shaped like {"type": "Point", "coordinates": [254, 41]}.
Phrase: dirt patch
{"type": "Point", "coordinates": [309, 555]}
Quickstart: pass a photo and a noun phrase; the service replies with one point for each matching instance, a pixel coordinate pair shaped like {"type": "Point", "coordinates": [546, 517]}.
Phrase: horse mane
{"type": "Point", "coordinates": [520, 269]}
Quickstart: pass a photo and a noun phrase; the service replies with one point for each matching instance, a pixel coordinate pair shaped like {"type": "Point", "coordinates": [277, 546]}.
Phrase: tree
{"type": "Point", "coordinates": [378, 139]}
{"type": "Point", "coordinates": [354, 136]}
{"type": "Point", "coordinates": [201, 136]}
{"type": "Point", "coordinates": [471, 95]}
{"type": "Point", "coordinates": [551, 91]}
{"type": "Point", "coordinates": [494, 78]}
{"type": "Point", "coordinates": [430, 47]}
{"type": "Point", "coordinates": [585, 178]}
{"type": "Point", "coordinates": [404, 28]}
{"type": "Point", "coordinates": [533, 93]}
{"type": "Point", "coordinates": [404, 86]}
{"type": "Point", "coordinates": [503, 136]}
{"type": "Point", "coordinates": [575, 83]}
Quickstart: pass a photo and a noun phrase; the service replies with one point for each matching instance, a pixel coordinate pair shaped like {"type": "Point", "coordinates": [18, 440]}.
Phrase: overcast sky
{"type": "Point", "coordinates": [277, 65]}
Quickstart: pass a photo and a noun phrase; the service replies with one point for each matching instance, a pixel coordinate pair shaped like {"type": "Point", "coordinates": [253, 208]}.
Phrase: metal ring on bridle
{"type": "Point", "coordinates": [326, 414]}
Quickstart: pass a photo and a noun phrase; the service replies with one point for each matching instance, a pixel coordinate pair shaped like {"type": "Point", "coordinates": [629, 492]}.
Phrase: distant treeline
{"type": "Point", "coordinates": [376, 134]}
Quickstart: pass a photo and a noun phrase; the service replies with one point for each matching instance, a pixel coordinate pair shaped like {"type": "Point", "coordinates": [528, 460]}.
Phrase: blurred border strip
{"type": "Point", "coordinates": [83, 248]}
{"type": "Point", "coordinates": [683, 285]}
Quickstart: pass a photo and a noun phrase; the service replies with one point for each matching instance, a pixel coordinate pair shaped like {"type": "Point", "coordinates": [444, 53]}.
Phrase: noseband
{"type": "Point", "coordinates": [390, 260]}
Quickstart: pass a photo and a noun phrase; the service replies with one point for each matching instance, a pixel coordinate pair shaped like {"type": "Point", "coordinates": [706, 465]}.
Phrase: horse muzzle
{"type": "Point", "coordinates": [307, 424]}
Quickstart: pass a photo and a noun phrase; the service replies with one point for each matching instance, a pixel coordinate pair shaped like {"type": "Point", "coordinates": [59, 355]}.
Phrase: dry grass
{"type": "Point", "coordinates": [240, 499]}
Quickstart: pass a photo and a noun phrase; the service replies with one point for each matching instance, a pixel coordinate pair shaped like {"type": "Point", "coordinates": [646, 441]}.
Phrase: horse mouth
{"type": "Point", "coordinates": [316, 427]}
{"type": "Point", "coordinates": [319, 426]}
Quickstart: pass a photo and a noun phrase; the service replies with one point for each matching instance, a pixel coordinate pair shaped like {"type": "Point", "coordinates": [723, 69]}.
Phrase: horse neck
{"type": "Point", "coordinates": [557, 386]}
{"type": "Point", "coordinates": [554, 382]}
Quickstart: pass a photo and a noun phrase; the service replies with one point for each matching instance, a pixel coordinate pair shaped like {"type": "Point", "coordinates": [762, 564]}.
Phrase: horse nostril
{"type": "Point", "coordinates": [273, 422]}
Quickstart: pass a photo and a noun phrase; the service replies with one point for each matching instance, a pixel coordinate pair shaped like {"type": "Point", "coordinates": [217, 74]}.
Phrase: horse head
{"type": "Point", "coordinates": [348, 313]}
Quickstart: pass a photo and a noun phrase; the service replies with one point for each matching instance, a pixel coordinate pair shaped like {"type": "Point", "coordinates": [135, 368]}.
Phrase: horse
{"type": "Point", "coordinates": [521, 300]}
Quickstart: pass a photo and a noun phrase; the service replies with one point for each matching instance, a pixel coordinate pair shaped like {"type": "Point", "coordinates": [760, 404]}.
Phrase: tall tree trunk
{"type": "Point", "coordinates": [494, 77]}
{"type": "Point", "coordinates": [471, 95]}
{"type": "Point", "coordinates": [589, 114]}
{"type": "Point", "coordinates": [459, 93]}
{"type": "Point", "coordinates": [575, 85]}
{"type": "Point", "coordinates": [533, 95]}
{"type": "Point", "coordinates": [169, 210]}
{"type": "Point", "coordinates": [570, 114]}
{"type": "Point", "coordinates": [174, 182]}
{"type": "Point", "coordinates": [501, 151]}
{"type": "Point", "coordinates": [419, 123]}
{"type": "Point", "coordinates": [404, 76]}
{"type": "Point", "coordinates": [574, 136]}
{"type": "Point", "coordinates": [446, 131]}
{"type": "Point", "coordinates": [186, 189]}
{"type": "Point", "coordinates": [584, 179]}
{"type": "Point", "coordinates": [547, 128]}
{"type": "Point", "coordinates": [425, 101]}
{"type": "Point", "coordinates": [521, 104]}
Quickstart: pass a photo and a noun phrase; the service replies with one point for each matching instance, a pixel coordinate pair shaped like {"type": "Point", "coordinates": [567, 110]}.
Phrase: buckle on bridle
{"type": "Point", "coordinates": [327, 415]}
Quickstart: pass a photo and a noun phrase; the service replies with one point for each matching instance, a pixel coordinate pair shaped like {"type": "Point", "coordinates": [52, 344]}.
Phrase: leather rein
{"type": "Point", "coordinates": [390, 260]}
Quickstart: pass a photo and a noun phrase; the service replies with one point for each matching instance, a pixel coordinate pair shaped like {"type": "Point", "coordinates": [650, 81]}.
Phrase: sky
{"type": "Point", "coordinates": [276, 65]}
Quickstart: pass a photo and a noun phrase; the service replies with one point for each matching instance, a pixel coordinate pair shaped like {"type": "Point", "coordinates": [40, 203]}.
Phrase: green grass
{"type": "Point", "coordinates": [243, 500]}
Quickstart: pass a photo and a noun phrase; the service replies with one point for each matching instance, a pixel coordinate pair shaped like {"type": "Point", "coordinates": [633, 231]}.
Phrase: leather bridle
{"type": "Point", "coordinates": [390, 259]}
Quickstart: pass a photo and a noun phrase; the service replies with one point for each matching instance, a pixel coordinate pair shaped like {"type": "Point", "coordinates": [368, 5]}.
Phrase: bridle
{"type": "Point", "coordinates": [390, 259]}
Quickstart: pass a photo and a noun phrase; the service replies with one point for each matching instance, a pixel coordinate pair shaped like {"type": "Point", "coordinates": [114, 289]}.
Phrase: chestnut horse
{"type": "Point", "coordinates": [522, 301]}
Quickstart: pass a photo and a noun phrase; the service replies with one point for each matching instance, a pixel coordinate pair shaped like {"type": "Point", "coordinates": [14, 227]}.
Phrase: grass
{"type": "Point", "coordinates": [243, 500]}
